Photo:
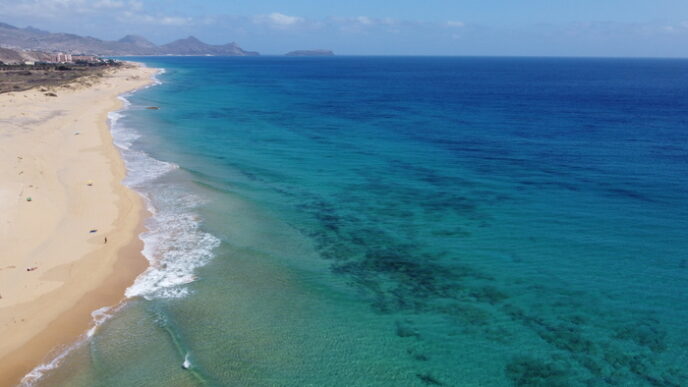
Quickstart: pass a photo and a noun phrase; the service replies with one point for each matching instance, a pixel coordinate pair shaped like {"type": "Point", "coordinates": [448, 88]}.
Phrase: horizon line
{"type": "Point", "coordinates": [409, 55]}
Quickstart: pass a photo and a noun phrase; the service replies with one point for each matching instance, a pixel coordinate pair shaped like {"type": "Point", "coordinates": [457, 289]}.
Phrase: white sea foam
{"type": "Point", "coordinates": [121, 137]}
{"type": "Point", "coordinates": [156, 80]}
{"type": "Point", "coordinates": [173, 243]}
{"type": "Point", "coordinates": [37, 373]}
{"type": "Point", "coordinates": [99, 317]}
{"type": "Point", "coordinates": [143, 169]}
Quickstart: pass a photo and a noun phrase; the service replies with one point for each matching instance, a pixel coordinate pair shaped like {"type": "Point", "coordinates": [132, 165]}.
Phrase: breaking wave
{"type": "Point", "coordinates": [174, 244]}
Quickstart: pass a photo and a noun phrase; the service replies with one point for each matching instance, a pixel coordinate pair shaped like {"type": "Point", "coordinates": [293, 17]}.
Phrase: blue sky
{"type": "Point", "coordinates": [406, 27]}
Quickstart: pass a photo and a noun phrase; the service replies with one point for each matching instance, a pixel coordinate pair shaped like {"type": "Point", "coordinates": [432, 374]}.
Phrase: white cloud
{"type": "Point", "coordinates": [174, 21]}
{"type": "Point", "coordinates": [677, 28]}
{"type": "Point", "coordinates": [455, 24]}
{"type": "Point", "coordinates": [125, 11]}
{"type": "Point", "coordinates": [283, 19]}
{"type": "Point", "coordinates": [369, 25]}
{"type": "Point", "coordinates": [135, 5]}
{"type": "Point", "coordinates": [279, 20]}
{"type": "Point", "coordinates": [108, 4]}
{"type": "Point", "coordinates": [30, 8]}
{"type": "Point", "coordinates": [53, 9]}
{"type": "Point", "coordinates": [138, 18]}
{"type": "Point", "coordinates": [365, 20]}
{"type": "Point", "coordinates": [356, 25]}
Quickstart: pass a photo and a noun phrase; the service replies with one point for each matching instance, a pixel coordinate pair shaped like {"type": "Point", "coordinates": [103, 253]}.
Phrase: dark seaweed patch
{"type": "Point", "coordinates": [603, 358]}
{"type": "Point", "coordinates": [644, 334]}
{"type": "Point", "coordinates": [489, 294]}
{"type": "Point", "coordinates": [376, 244]}
{"type": "Point", "coordinates": [403, 330]}
{"type": "Point", "coordinates": [467, 314]}
{"type": "Point", "coordinates": [567, 337]}
{"type": "Point", "coordinates": [403, 279]}
{"type": "Point", "coordinates": [429, 380]}
{"type": "Point", "coordinates": [526, 371]}
{"type": "Point", "coordinates": [458, 232]}
{"type": "Point", "coordinates": [417, 356]}
{"type": "Point", "coordinates": [575, 319]}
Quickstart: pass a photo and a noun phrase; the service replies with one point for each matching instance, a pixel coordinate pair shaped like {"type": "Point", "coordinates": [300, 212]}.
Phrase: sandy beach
{"type": "Point", "coordinates": [68, 227]}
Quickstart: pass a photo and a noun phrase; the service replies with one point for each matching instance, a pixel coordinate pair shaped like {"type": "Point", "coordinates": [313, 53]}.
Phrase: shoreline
{"type": "Point", "coordinates": [62, 193]}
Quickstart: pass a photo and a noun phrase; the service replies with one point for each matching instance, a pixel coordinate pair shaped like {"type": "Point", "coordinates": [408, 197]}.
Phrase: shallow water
{"type": "Point", "coordinates": [404, 221]}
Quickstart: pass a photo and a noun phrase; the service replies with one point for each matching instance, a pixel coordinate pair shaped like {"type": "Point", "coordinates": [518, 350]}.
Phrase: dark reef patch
{"type": "Point", "coordinates": [404, 330]}
{"type": "Point", "coordinates": [403, 253]}
{"type": "Point", "coordinates": [417, 356]}
{"type": "Point", "coordinates": [489, 294]}
{"type": "Point", "coordinates": [467, 314]}
{"type": "Point", "coordinates": [644, 334]}
{"type": "Point", "coordinates": [531, 372]}
{"type": "Point", "coordinates": [429, 380]}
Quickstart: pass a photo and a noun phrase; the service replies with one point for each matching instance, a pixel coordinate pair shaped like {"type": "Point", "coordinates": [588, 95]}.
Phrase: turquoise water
{"type": "Point", "coordinates": [404, 222]}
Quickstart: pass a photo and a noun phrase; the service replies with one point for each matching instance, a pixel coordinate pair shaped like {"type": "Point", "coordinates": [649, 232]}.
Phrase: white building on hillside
{"type": "Point", "coordinates": [61, 58]}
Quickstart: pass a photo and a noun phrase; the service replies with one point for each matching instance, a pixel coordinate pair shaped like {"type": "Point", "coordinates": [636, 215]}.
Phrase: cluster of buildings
{"type": "Point", "coordinates": [61, 58]}
{"type": "Point", "coordinates": [17, 56]}
{"type": "Point", "coordinates": [69, 58]}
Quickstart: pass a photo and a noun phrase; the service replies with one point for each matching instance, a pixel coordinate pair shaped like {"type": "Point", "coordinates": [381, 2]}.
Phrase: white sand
{"type": "Point", "coordinates": [42, 158]}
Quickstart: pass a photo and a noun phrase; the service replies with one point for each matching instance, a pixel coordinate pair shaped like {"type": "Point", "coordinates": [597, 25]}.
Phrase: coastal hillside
{"type": "Point", "coordinates": [10, 56]}
{"type": "Point", "coordinates": [30, 38]}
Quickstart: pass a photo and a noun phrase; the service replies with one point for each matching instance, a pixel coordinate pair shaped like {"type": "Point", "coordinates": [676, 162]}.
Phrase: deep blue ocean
{"type": "Point", "coordinates": [403, 221]}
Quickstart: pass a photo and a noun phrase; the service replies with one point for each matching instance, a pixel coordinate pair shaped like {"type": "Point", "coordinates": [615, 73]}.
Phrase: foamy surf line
{"type": "Point", "coordinates": [99, 317]}
{"type": "Point", "coordinates": [174, 245]}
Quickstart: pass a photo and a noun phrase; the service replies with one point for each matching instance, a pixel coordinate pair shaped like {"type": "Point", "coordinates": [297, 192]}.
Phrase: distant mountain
{"type": "Point", "coordinates": [318, 52]}
{"type": "Point", "coordinates": [137, 45]}
{"type": "Point", "coordinates": [138, 41]}
{"type": "Point", "coordinates": [35, 30]}
{"type": "Point", "coordinates": [193, 46]}
{"type": "Point", "coordinates": [9, 27]}
{"type": "Point", "coordinates": [30, 38]}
